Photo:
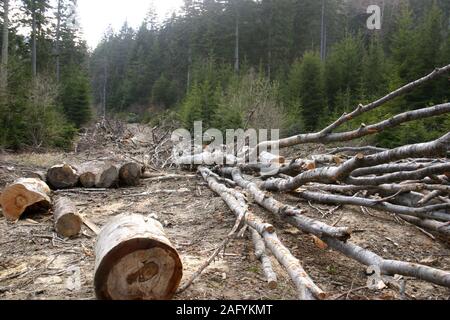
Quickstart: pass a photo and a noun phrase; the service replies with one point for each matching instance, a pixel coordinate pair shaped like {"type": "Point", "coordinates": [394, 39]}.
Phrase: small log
{"type": "Point", "coordinates": [98, 174]}
{"type": "Point", "coordinates": [25, 195]}
{"type": "Point", "coordinates": [130, 174]}
{"type": "Point", "coordinates": [67, 221]}
{"type": "Point", "coordinates": [62, 177]}
{"type": "Point", "coordinates": [260, 253]}
{"type": "Point", "coordinates": [135, 261]}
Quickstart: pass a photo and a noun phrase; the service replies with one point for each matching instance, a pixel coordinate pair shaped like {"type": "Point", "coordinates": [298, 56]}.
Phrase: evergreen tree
{"type": "Point", "coordinates": [75, 97]}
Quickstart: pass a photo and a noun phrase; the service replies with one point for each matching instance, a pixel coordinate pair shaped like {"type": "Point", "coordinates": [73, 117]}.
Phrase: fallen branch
{"type": "Point", "coordinates": [305, 286]}
{"type": "Point", "coordinates": [260, 253]}
{"type": "Point", "coordinates": [429, 212]}
{"type": "Point", "coordinates": [294, 215]}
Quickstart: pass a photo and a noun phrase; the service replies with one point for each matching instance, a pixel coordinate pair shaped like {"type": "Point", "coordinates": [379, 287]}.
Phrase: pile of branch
{"type": "Point", "coordinates": [411, 182]}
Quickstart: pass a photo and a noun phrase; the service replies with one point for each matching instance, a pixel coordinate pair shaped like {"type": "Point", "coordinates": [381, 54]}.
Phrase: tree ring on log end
{"type": "Point", "coordinates": [135, 261]}
{"type": "Point", "coordinates": [139, 269]}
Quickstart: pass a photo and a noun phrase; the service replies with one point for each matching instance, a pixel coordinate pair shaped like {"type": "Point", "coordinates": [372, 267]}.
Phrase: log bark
{"type": "Point", "coordinates": [294, 215]}
{"type": "Point", "coordinates": [390, 267]}
{"type": "Point", "coordinates": [67, 221]}
{"type": "Point", "coordinates": [62, 177]}
{"type": "Point", "coordinates": [331, 175]}
{"type": "Point", "coordinates": [401, 176]}
{"type": "Point", "coordinates": [135, 261]}
{"type": "Point", "coordinates": [130, 174]}
{"type": "Point", "coordinates": [355, 150]}
{"type": "Point", "coordinates": [260, 253]}
{"type": "Point", "coordinates": [434, 212]}
{"type": "Point", "coordinates": [25, 195]}
{"type": "Point", "coordinates": [327, 136]}
{"type": "Point", "coordinates": [98, 174]}
{"type": "Point", "coordinates": [306, 288]}
{"type": "Point", "coordinates": [440, 228]}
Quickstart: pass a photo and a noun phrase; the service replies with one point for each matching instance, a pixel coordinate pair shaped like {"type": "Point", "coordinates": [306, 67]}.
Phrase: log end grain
{"type": "Point", "coordinates": [62, 177]}
{"type": "Point", "coordinates": [67, 221]}
{"type": "Point", "coordinates": [135, 261]}
{"type": "Point", "coordinates": [130, 174]}
{"type": "Point", "coordinates": [31, 195]}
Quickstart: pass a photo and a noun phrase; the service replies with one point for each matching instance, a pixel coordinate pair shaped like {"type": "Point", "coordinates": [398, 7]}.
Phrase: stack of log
{"type": "Point", "coordinates": [33, 195]}
{"type": "Point", "coordinates": [411, 182]}
{"type": "Point", "coordinates": [134, 258]}
{"type": "Point", "coordinates": [95, 174]}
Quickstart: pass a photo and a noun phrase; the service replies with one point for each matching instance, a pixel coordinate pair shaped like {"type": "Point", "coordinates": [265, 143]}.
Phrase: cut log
{"type": "Point", "coordinates": [31, 195]}
{"type": "Point", "coordinates": [306, 287]}
{"type": "Point", "coordinates": [130, 174]}
{"type": "Point", "coordinates": [67, 221]}
{"type": "Point", "coordinates": [135, 261]}
{"type": "Point", "coordinates": [294, 215]}
{"type": "Point", "coordinates": [260, 253]}
{"type": "Point", "coordinates": [98, 175]}
{"type": "Point", "coordinates": [62, 177]}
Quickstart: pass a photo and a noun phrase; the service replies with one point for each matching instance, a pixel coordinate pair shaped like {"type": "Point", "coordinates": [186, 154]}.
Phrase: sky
{"type": "Point", "coordinates": [96, 15]}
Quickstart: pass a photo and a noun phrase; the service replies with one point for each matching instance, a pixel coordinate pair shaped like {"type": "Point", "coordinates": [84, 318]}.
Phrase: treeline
{"type": "Point", "coordinates": [290, 64]}
{"type": "Point", "coordinates": [44, 83]}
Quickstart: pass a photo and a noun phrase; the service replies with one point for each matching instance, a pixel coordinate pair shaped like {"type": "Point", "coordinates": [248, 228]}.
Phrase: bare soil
{"type": "Point", "coordinates": [36, 264]}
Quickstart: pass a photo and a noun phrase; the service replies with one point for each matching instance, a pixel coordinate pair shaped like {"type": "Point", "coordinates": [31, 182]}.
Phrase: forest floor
{"type": "Point", "coordinates": [36, 264]}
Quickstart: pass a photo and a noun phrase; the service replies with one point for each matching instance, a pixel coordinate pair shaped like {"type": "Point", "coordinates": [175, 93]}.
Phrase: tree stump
{"type": "Point", "coordinates": [98, 175]}
{"type": "Point", "coordinates": [62, 177]}
{"type": "Point", "coordinates": [31, 195]}
{"type": "Point", "coordinates": [135, 261]}
{"type": "Point", "coordinates": [130, 174]}
{"type": "Point", "coordinates": [67, 221]}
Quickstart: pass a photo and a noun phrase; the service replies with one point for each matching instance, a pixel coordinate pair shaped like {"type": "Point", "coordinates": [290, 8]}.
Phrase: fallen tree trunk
{"type": "Point", "coordinates": [130, 174]}
{"type": "Point", "coordinates": [429, 212]}
{"type": "Point", "coordinates": [330, 175]}
{"type": "Point", "coordinates": [440, 228]}
{"type": "Point", "coordinates": [260, 253]}
{"type": "Point", "coordinates": [384, 189]}
{"type": "Point", "coordinates": [354, 150]}
{"type": "Point", "coordinates": [294, 215]}
{"type": "Point", "coordinates": [98, 175]}
{"type": "Point", "coordinates": [390, 267]}
{"type": "Point", "coordinates": [62, 177]}
{"type": "Point", "coordinates": [135, 261]}
{"type": "Point", "coordinates": [401, 176]}
{"type": "Point", "coordinates": [67, 221]}
{"type": "Point", "coordinates": [306, 288]}
{"type": "Point", "coordinates": [327, 136]}
{"type": "Point", "coordinates": [25, 195]}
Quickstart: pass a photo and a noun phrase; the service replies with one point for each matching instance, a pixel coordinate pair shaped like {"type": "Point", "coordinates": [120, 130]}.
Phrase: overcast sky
{"type": "Point", "coordinates": [96, 15]}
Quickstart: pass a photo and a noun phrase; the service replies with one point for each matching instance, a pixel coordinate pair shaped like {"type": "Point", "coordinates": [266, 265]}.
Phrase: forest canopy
{"type": "Point", "coordinates": [287, 64]}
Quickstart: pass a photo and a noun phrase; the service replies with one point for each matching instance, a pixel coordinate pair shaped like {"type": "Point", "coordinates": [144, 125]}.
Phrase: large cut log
{"type": "Point", "coordinates": [67, 221]}
{"type": "Point", "coordinates": [130, 174]}
{"type": "Point", "coordinates": [135, 261]}
{"type": "Point", "coordinates": [98, 174]}
{"type": "Point", "coordinates": [31, 195]}
{"type": "Point", "coordinates": [62, 177]}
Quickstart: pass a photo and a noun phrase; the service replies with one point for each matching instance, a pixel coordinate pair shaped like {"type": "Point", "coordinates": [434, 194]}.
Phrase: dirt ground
{"type": "Point", "coordinates": [36, 264]}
